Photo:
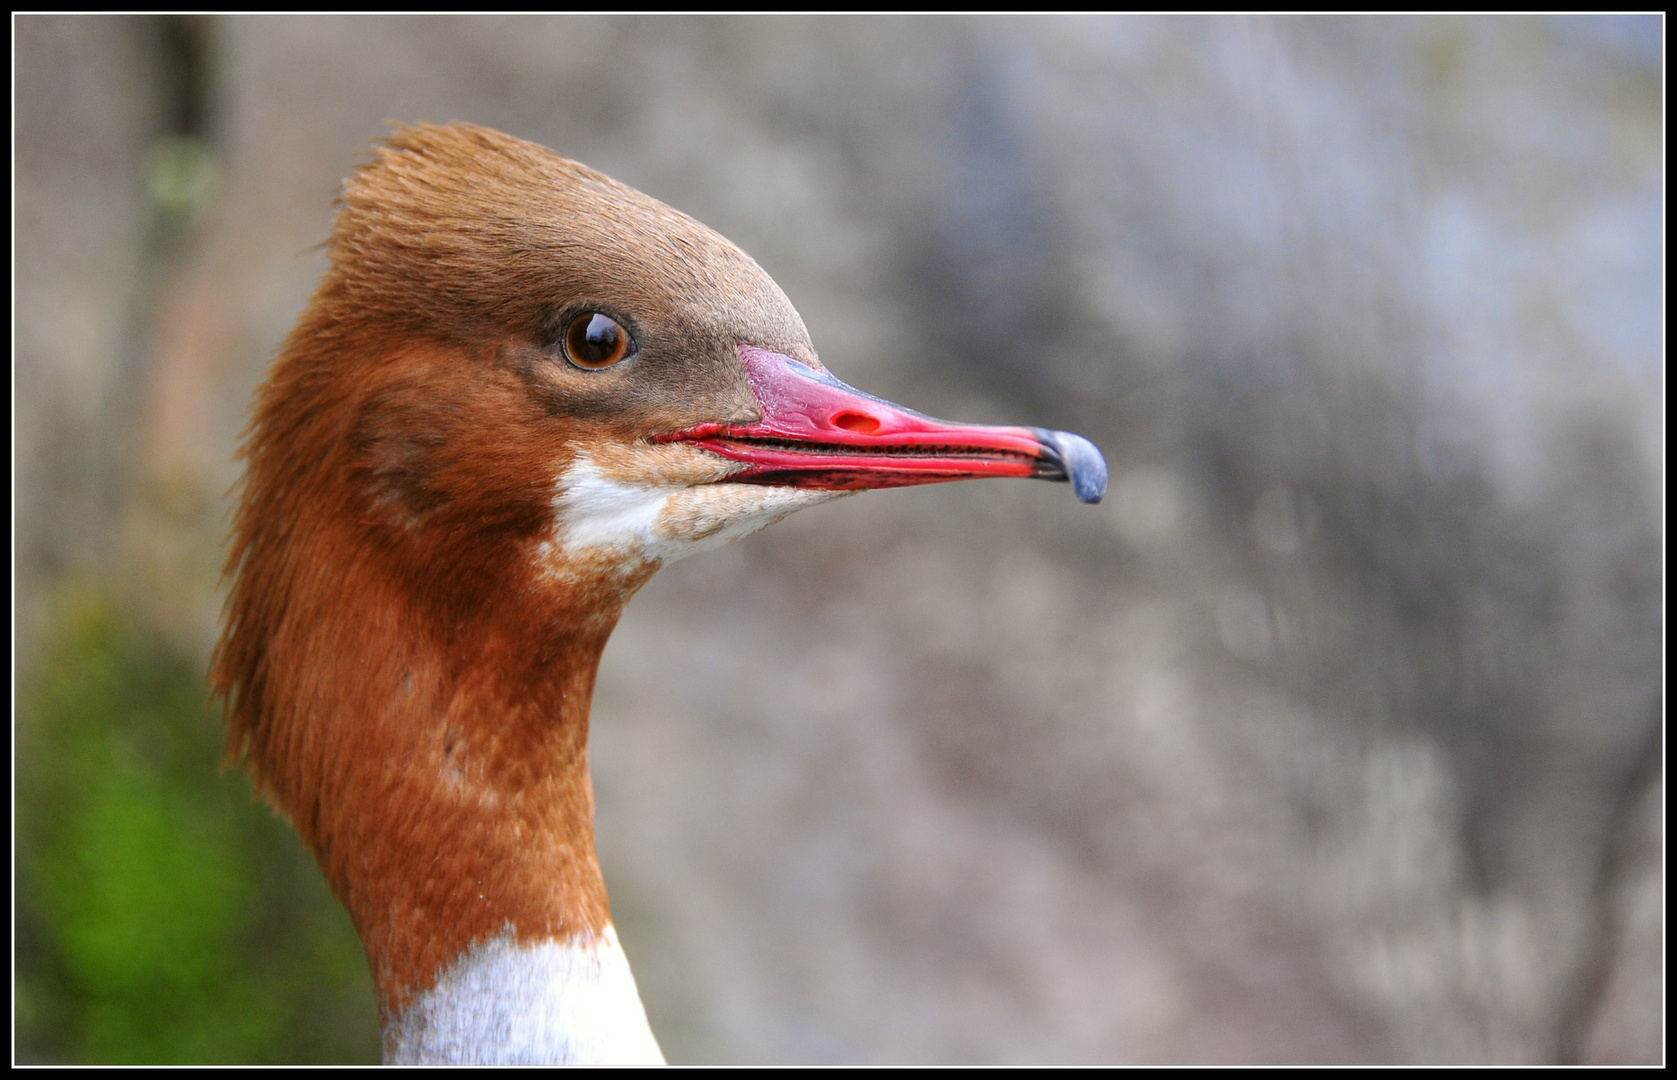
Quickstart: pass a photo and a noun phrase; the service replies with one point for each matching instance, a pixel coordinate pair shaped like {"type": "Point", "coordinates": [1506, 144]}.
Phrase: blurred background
{"type": "Point", "coordinates": [1334, 734]}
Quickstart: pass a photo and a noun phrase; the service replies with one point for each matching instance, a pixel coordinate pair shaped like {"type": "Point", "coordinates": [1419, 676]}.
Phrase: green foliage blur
{"type": "Point", "coordinates": [163, 916]}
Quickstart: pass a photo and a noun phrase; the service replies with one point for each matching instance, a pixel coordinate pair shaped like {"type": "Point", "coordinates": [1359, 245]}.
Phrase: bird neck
{"type": "Point", "coordinates": [510, 1002]}
{"type": "Point", "coordinates": [437, 763]}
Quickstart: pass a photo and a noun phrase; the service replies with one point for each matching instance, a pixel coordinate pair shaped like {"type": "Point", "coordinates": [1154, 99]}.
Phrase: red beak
{"type": "Point", "coordinates": [817, 432]}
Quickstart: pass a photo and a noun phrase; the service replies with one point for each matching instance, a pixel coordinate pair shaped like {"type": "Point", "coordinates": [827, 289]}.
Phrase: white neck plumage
{"type": "Point", "coordinates": [542, 1003]}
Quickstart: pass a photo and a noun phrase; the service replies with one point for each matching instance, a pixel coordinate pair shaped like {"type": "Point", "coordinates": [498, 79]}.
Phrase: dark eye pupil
{"type": "Point", "coordinates": [595, 340]}
{"type": "Point", "coordinates": [602, 333]}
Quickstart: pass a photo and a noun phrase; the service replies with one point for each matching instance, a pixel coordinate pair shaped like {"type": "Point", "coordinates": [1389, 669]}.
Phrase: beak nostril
{"type": "Point", "coordinates": [857, 422]}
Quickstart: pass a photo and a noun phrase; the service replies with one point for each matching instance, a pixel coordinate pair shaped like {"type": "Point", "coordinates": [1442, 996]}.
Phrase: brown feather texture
{"type": "Point", "coordinates": [403, 678]}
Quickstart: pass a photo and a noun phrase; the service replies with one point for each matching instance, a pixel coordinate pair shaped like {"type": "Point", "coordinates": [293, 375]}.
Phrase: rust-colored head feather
{"type": "Point", "coordinates": [460, 231]}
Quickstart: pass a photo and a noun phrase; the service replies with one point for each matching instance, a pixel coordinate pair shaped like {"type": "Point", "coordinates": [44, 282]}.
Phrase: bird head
{"type": "Point", "coordinates": [553, 353]}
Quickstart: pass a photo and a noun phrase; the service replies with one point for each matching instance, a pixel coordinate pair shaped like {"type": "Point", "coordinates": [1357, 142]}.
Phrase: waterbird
{"type": "Point", "coordinates": [520, 388]}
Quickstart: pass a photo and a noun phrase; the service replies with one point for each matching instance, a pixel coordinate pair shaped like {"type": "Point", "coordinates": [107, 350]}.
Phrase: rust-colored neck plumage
{"type": "Point", "coordinates": [409, 646]}
{"type": "Point", "coordinates": [400, 683]}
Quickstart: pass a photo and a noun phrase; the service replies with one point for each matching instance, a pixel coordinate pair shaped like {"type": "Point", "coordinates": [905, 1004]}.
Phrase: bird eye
{"type": "Point", "coordinates": [596, 341]}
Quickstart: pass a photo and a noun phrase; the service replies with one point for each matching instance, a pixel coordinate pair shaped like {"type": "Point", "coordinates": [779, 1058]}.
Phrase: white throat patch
{"type": "Point", "coordinates": [601, 512]}
{"type": "Point", "coordinates": [542, 1003]}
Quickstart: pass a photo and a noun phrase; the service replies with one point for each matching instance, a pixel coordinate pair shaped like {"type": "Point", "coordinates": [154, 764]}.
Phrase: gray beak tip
{"type": "Point", "coordinates": [1084, 466]}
